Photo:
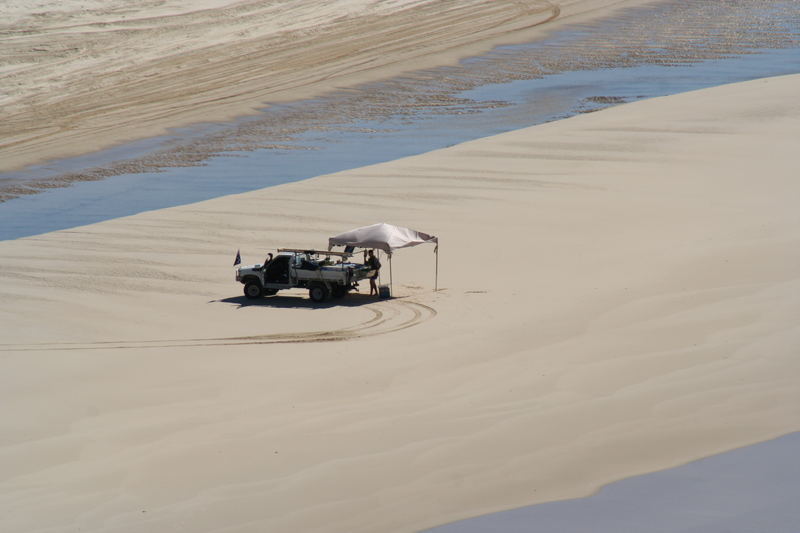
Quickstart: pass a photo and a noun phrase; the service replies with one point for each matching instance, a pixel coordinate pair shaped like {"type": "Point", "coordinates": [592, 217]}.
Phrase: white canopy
{"type": "Point", "coordinates": [382, 236]}
{"type": "Point", "coordinates": [388, 238]}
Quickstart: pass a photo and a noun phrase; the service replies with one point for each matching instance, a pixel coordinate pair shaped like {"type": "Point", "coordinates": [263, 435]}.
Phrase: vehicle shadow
{"type": "Point", "coordinates": [299, 301]}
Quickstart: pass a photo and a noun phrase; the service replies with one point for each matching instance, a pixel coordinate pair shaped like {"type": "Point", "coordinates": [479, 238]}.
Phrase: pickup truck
{"type": "Point", "coordinates": [325, 274]}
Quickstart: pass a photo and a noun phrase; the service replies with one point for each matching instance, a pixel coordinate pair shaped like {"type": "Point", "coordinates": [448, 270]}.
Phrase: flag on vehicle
{"type": "Point", "coordinates": [238, 259]}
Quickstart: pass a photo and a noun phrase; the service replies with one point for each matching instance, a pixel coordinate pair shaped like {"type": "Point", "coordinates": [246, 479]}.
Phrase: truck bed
{"type": "Point", "coordinates": [334, 273]}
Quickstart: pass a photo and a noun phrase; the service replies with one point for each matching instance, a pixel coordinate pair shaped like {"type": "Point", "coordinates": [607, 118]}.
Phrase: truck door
{"type": "Point", "coordinates": [278, 270]}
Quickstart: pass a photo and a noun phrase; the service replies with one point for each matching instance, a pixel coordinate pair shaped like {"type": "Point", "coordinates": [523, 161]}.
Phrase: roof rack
{"type": "Point", "coordinates": [315, 252]}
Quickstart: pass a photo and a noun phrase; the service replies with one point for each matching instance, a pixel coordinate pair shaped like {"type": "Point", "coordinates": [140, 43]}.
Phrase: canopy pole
{"type": "Point", "coordinates": [391, 285]}
{"type": "Point", "coordinates": [436, 279]}
{"type": "Point", "coordinates": [378, 255]}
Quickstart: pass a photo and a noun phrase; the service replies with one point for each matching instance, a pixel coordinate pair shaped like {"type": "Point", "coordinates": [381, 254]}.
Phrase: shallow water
{"type": "Point", "coordinates": [641, 53]}
{"type": "Point", "coordinates": [753, 489]}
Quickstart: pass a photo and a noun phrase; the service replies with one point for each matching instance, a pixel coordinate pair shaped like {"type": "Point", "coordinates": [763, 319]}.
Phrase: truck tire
{"type": "Point", "coordinates": [253, 290]}
{"type": "Point", "coordinates": [318, 292]}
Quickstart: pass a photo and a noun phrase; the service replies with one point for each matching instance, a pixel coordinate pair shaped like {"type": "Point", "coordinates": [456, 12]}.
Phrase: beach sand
{"type": "Point", "coordinates": [619, 294]}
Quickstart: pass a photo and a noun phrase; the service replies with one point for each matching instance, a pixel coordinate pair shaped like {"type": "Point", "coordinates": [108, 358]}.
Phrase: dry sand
{"type": "Point", "coordinates": [80, 76]}
{"type": "Point", "coordinates": [620, 295]}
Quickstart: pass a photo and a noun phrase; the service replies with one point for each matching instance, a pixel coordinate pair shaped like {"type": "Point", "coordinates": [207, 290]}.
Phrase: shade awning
{"type": "Point", "coordinates": [382, 236]}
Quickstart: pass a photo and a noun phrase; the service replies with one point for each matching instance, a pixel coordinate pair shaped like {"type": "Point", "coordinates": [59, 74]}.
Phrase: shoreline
{"type": "Point", "coordinates": [656, 324]}
{"type": "Point", "coordinates": [293, 142]}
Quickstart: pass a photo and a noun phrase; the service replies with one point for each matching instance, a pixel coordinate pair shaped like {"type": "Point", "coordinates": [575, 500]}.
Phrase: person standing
{"type": "Point", "coordinates": [375, 265]}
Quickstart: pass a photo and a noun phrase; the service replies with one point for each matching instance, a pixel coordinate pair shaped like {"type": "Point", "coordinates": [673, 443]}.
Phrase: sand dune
{"type": "Point", "coordinates": [620, 294]}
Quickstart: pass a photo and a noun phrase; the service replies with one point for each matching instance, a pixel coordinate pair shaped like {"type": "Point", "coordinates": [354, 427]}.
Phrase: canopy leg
{"type": "Point", "coordinates": [391, 285]}
{"type": "Point", "coordinates": [436, 279]}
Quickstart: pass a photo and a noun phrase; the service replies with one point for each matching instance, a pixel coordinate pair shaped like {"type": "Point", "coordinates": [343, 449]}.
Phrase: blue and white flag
{"type": "Point", "coordinates": [238, 259]}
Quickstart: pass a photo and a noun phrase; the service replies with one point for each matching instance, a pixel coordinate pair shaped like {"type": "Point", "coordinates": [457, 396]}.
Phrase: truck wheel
{"type": "Point", "coordinates": [318, 292]}
{"type": "Point", "coordinates": [253, 290]}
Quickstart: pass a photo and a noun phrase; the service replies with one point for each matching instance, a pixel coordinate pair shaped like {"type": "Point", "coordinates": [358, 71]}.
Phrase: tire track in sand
{"type": "Point", "coordinates": [387, 317]}
{"type": "Point", "coordinates": [263, 52]}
